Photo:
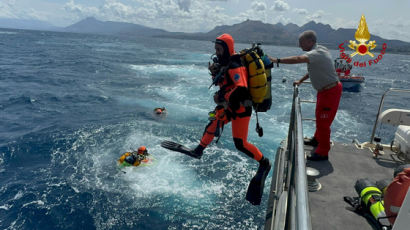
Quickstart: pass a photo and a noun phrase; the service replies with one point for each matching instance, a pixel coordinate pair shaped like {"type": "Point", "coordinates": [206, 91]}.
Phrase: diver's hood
{"type": "Point", "coordinates": [227, 41]}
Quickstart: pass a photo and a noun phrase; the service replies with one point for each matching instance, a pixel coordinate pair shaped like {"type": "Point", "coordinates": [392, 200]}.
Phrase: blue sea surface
{"type": "Point", "coordinates": [71, 104]}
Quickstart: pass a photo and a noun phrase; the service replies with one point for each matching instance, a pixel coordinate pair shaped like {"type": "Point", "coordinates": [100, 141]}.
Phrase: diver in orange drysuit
{"type": "Point", "coordinates": [134, 158]}
{"type": "Point", "coordinates": [233, 103]}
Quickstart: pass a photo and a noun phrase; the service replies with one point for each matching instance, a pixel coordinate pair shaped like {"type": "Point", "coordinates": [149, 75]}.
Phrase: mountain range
{"type": "Point", "coordinates": [94, 26]}
{"type": "Point", "coordinates": [248, 31]}
{"type": "Point", "coordinates": [26, 24]}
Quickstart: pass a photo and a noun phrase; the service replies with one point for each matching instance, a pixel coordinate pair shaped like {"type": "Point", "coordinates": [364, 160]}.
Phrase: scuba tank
{"type": "Point", "coordinates": [256, 74]}
{"type": "Point", "coordinates": [371, 199]}
{"type": "Point", "coordinates": [267, 100]}
{"type": "Point", "coordinates": [259, 80]}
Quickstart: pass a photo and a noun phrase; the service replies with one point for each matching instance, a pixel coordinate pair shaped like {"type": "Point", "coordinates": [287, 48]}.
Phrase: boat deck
{"type": "Point", "coordinates": [337, 176]}
{"type": "Point", "coordinates": [290, 206]}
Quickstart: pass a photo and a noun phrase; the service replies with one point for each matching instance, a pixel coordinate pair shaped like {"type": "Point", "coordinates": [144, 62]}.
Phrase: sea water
{"type": "Point", "coordinates": [71, 104]}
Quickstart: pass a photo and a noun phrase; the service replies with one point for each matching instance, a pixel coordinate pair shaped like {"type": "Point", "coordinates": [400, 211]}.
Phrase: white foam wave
{"type": "Point", "coordinates": [7, 32]}
{"type": "Point", "coordinates": [185, 84]}
{"type": "Point", "coordinates": [18, 195]}
{"type": "Point", "coordinates": [180, 93]}
{"type": "Point", "coordinates": [178, 70]}
{"type": "Point", "coordinates": [6, 207]}
{"type": "Point", "coordinates": [37, 202]}
{"type": "Point", "coordinates": [341, 126]}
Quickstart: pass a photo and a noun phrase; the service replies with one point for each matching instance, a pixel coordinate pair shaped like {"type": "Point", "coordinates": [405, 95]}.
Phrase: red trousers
{"type": "Point", "coordinates": [326, 108]}
{"type": "Point", "coordinates": [239, 133]}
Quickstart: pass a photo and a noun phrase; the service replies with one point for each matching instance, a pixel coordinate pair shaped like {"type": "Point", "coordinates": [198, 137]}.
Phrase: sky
{"type": "Point", "coordinates": [388, 19]}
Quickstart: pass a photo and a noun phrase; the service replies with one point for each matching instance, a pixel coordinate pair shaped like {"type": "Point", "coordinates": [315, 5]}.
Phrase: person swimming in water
{"type": "Point", "coordinates": [160, 111]}
{"type": "Point", "coordinates": [133, 158]}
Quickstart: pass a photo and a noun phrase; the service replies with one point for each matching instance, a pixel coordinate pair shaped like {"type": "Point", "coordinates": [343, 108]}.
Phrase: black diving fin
{"type": "Point", "coordinates": [180, 148]}
{"type": "Point", "coordinates": [255, 188]}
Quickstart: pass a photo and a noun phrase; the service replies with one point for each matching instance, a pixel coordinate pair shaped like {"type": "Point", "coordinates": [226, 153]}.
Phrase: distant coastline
{"type": "Point", "coordinates": [246, 32]}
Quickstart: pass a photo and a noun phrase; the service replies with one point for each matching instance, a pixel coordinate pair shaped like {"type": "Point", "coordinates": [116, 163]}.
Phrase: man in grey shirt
{"type": "Point", "coordinates": [322, 74]}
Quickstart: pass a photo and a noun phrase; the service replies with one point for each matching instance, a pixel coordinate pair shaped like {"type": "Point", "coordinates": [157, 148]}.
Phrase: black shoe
{"type": "Point", "coordinates": [264, 168]}
{"type": "Point", "coordinates": [317, 157]}
{"type": "Point", "coordinates": [311, 141]}
{"type": "Point", "coordinates": [198, 152]}
{"type": "Point", "coordinates": [264, 165]}
{"type": "Point", "coordinates": [173, 146]}
{"type": "Point", "coordinates": [255, 188]}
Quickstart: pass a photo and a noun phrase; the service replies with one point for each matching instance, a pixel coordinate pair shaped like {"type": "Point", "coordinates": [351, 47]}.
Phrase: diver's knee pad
{"type": "Point", "coordinates": [240, 146]}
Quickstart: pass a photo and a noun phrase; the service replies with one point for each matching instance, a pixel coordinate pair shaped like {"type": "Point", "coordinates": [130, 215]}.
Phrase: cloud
{"type": "Point", "coordinates": [184, 4]}
{"type": "Point", "coordinates": [258, 6]}
{"type": "Point", "coordinates": [397, 28]}
{"type": "Point", "coordinates": [258, 10]}
{"type": "Point", "coordinates": [116, 10]}
{"type": "Point", "coordinates": [300, 11]}
{"type": "Point", "coordinates": [20, 10]}
{"type": "Point", "coordinates": [282, 19]}
{"type": "Point", "coordinates": [316, 16]}
{"type": "Point", "coordinates": [280, 5]}
{"type": "Point", "coordinates": [7, 9]}
{"type": "Point", "coordinates": [172, 15]}
{"type": "Point", "coordinates": [80, 11]}
{"type": "Point", "coordinates": [337, 22]}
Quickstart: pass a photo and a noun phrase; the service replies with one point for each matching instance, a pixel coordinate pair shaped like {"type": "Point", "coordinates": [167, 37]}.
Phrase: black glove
{"type": "Point", "coordinates": [219, 97]}
{"type": "Point", "coordinates": [214, 68]}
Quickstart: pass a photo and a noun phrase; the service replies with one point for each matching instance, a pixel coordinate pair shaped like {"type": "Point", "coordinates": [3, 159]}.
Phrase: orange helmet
{"type": "Point", "coordinates": [158, 110]}
{"type": "Point", "coordinates": [142, 149]}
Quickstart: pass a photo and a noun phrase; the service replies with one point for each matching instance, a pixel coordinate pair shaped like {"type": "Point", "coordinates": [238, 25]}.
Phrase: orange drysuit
{"type": "Point", "coordinates": [233, 90]}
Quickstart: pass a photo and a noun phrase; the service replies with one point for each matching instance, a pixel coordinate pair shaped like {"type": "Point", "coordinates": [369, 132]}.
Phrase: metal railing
{"type": "Point", "coordinates": [300, 182]}
{"type": "Point", "coordinates": [290, 209]}
{"type": "Point", "coordinates": [381, 106]}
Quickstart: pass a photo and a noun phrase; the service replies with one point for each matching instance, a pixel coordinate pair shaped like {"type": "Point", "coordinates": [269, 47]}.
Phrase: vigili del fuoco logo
{"type": "Point", "coordinates": [362, 47]}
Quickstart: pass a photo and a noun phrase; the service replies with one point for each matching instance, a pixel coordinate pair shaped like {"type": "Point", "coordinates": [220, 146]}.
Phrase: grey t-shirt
{"type": "Point", "coordinates": [320, 67]}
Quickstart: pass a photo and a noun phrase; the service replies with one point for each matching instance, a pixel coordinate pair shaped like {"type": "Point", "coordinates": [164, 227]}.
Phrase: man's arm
{"type": "Point", "coordinates": [291, 59]}
{"type": "Point", "coordinates": [298, 82]}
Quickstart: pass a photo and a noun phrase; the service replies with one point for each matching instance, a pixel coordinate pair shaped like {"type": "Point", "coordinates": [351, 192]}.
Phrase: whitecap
{"type": "Point", "coordinates": [38, 202]}
{"type": "Point", "coordinates": [18, 195]}
{"type": "Point", "coordinates": [6, 207]}
{"type": "Point", "coordinates": [7, 32]}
